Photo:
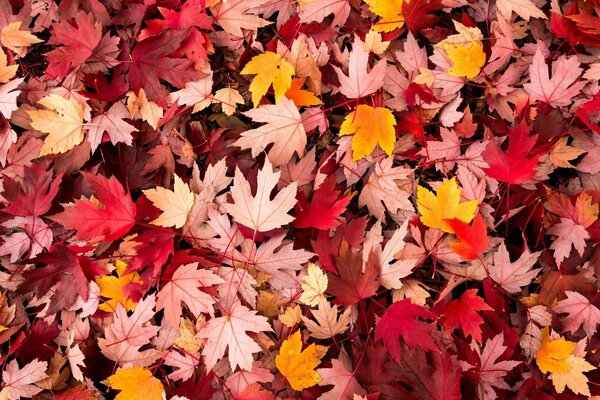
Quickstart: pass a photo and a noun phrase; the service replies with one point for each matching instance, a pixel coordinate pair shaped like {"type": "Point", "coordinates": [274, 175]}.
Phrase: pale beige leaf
{"type": "Point", "coordinates": [175, 204]}
{"type": "Point", "coordinates": [574, 378]}
{"type": "Point", "coordinates": [314, 284]}
{"type": "Point", "coordinates": [328, 322]}
{"type": "Point", "coordinates": [525, 9]}
{"type": "Point", "coordinates": [260, 212]}
{"type": "Point", "coordinates": [7, 72]}
{"type": "Point", "coordinates": [229, 98]}
{"type": "Point", "coordinates": [14, 38]}
{"type": "Point", "coordinates": [562, 153]}
{"type": "Point", "coordinates": [62, 121]}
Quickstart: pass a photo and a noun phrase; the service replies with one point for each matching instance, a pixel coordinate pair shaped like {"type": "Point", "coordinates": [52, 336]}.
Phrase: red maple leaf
{"type": "Point", "coordinates": [473, 238]}
{"type": "Point", "coordinates": [400, 325]}
{"type": "Point", "coordinates": [462, 313]}
{"type": "Point", "coordinates": [77, 393]}
{"type": "Point", "coordinates": [323, 211]}
{"type": "Point", "coordinates": [63, 267]}
{"type": "Point", "coordinates": [353, 285]}
{"type": "Point", "coordinates": [417, 14]}
{"type": "Point", "coordinates": [34, 195]}
{"type": "Point", "coordinates": [108, 218]}
{"type": "Point", "coordinates": [512, 166]}
{"type": "Point", "coordinates": [150, 63]}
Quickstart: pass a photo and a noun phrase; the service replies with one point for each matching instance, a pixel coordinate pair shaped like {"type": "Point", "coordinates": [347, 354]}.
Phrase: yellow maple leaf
{"type": "Point", "coordinates": [390, 12]}
{"type": "Point", "coordinates": [464, 50]}
{"type": "Point", "coordinates": [435, 209]}
{"type": "Point", "coordinates": [552, 355]}
{"type": "Point", "coordinates": [113, 288]}
{"type": "Point", "coordinates": [175, 204]}
{"type": "Point", "coordinates": [467, 60]}
{"type": "Point", "coordinates": [7, 72]}
{"type": "Point", "coordinates": [562, 153]}
{"type": "Point", "coordinates": [136, 384]}
{"type": "Point", "coordinates": [15, 39]}
{"type": "Point", "coordinates": [314, 284]}
{"type": "Point", "coordinates": [269, 69]}
{"type": "Point", "coordinates": [299, 366]}
{"type": "Point", "coordinates": [370, 126]}
{"type": "Point", "coordinates": [566, 369]}
{"type": "Point", "coordinates": [62, 121]}
{"type": "Point", "coordinates": [291, 316]}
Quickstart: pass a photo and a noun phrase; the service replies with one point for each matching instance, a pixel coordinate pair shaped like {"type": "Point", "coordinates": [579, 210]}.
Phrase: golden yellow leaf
{"type": "Point", "coordinates": [299, 366]}
{"type": "Point", "coordinates": [175, 204]}
{"type": "Point", "coordinates": [314, 284]}
{"type": "Point", "coordinates": [562, 153]}
{"type": "Point", "coordinates": [113, 288]}
{"type": "Point", "coordinates": [15, 39]}
{"type": "Point", "coordinates": [62, 121]}
{"type": "Point", "coordinates": [446, 204]}
{"type": "Point", "coordinates": [136, 384]}
{"type": "Point", "coordinates": [464, 50]}
{"type": "Point", "coordinates": [7, 72]}
{"type": "Point", "coordinates": [291, 316]}
{"type": "Point", "coordinates": [467, 60]}
{"type": "Point", "coordinates": [269, 69]}
{"type": "Point", "coordinates": [552, 356]}
{"type": "Point", "coordinates": [370, 126]}
{"type": "Point", "coordinates": [390, 12]}
{"type": "Point", "coordinates": [149, 110]}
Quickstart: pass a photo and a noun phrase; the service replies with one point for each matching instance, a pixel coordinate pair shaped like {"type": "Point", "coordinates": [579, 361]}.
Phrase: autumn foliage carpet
{"type": "Point", "coordinates": [299, 199]}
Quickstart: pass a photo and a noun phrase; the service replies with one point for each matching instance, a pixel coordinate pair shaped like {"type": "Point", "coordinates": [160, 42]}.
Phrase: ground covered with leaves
{"type": "Point", "coordinates": [313, 199]}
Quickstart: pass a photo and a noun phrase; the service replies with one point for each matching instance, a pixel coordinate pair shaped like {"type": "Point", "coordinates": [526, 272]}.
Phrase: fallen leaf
{"type": "Point", "coordinates": [136, 383]}
{"type": "Point", "coordinates": [371, 126]}
{"type": "Point", "coordinates": [297, 365]}
{"type": "Point", "coordinates": [269, 68]}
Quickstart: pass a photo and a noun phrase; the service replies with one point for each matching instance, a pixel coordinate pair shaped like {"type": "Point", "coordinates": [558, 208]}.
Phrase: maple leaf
{"type": "Point", "coordinates": [77, 393]}
{"type": "Point", "coordinates": [62, 121]}
{"type": "Point", "coordinates": [235, 15]}
{"type": "Point", "coordinates": [563, 86]}
{"type": "Point", "coordinates": [12, 37]}
{"type": "Point", "coordinates": [197, 94]}
{"type": "Point", "coordinates": [112, 122]}
{"type": "Point", "coordinates": [371, 126]}
{"type": "Point", "coordinates": [462, 313]}
{"type": "Point", "coordinates": [33, 196]}
{"type": "Point", "coordinates": [566, 369]}
{"type": "Point", "coordinates": [148, 110]}
{"type": "Point", "coordinates": [417, 14]}
{"type": "Point", "coordinates": [513, 276]}
{"type": "Point", "coordinates": [229, 331]}
{"type": "Point", "coordinates": [473, 239]}
{"type": "Point", "coordinates": [436, 209]}
{"type": "Point", "coordinates": [135, 329]}
{"type": "Point", "coordinates": [513, 166]}
{"type": "Point", "coordinates": [491, 371]}
{"type": "Point", "coordinates": [525, 9]}
{"type": "Point", "coordinates": [562, 153]}
{"type": "Point", "coordinates": [319, 9]}
{"type": "Point", "coordinates": [269, 68]}
{"type": "Point", "coordinates": [122, 289]}
{"type": "Point", "coordinates": [324, 209]}
{"type": "Point", "coordinates": [259, 212]}
{"type": "Point", "coordinates": [8, 97]}
{"type": "Point", "coordinates": [19, 382]}
{"type": "Point", "coordinates": [78, 39]}
{"type": "Point", "coordinates": [150, 63]}
{"type": "Point", "coordinates": [390, 13]}
{"type": "Point", "coordinates": [107, 216]}
{"type": "Point", "coordinates": [345, 385]}
{"type": "Point", "coordinates": [360, 83]}
{"type": "Point", "coordinates": [400, 325]}
{"type": "Point", "coordinates": [385, 189]}
{"type": "Point", "coordinates": [283, 128]}
{"type": "Point", "coordinates": [301, 97]}
{"type": "Point", "coordinates": [580, 312]}
{"type": "Point", "coordinates": [229, 98]}
{"type": "Point", "coordinates": [184, 287]}
{"type": "Point", "coordinates": [297, 365]}
{"type": "Point", "coordinates": [7, 72]}
{"type": "Point", "coordinates": [314, 284]}
{"type": "Point", "coordinates": [175, 204]}
{"type": "Point", "coordinates": [136, 383]}
{"type": "Point", "coordinates": [352, 284]}
{"type": "Point", "coordinates": [328, 324]}
{"type": "Point", "coordinates": [64, 268]}
{"type": "Point", "coordinates": [569, 233]}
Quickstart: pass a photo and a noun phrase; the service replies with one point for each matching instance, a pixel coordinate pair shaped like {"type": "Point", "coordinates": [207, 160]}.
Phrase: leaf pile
{"type": "Point", "coordinates": [316, 199]}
